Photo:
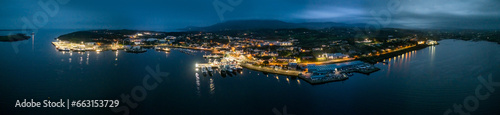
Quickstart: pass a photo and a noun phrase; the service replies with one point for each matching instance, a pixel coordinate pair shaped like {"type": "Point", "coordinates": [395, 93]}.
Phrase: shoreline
{"type": "Point", "coordinates": [376, 59]}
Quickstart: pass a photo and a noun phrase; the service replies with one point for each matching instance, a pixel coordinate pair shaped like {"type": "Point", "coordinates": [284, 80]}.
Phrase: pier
{"type": "Point", "coordinates": [212, 56]}
{"type": "Point", "coordinates": [207, 65]}
{"type": "Point", "coordinates": [293, 73]}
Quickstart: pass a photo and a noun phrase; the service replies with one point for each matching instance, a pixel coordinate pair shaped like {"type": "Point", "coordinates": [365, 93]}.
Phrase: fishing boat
{"type": "Point", "coordinates": [222, 69]}
{"type": "Point", "coordinates": [204, 70]}
{"type": "Point", "coordinates": [239, 68]}
{"type": "Point", "coordinates": [233, 68]}
{"type": "Point", "coordinates": [228, 68]}
{"type": "Point", "coordinates": [210, 69]}
{"type": "Point", "coordinates": [166, 49]}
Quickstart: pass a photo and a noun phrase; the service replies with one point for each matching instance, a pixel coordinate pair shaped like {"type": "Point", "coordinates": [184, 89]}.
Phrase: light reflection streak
{"type": "Point", "coordinates": [87, 59]}
{"type": "Point", "coordinates": [405, 58]}
{"type": "Point", "coordinates": [212, 86]}
{"type": "Point", "coordinates": [432, 51]}
{"type": "Point", "coordinates": [198, 85]}
{"type": "Point", "coordinates": [116, 56]}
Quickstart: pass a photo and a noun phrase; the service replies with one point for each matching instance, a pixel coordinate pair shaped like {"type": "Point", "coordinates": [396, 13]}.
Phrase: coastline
{"type": "Point", "coordinates": [380, 58]}
{"type": "Point", "coordinates": [14, 37]}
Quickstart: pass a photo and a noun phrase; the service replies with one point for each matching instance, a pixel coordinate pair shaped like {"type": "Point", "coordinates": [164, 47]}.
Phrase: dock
{"type": "Point", "coordinates": [212, 56]}
{"type": "Point", "coordinates": [293, 73]}
{"type": "Point", "coordinates": [207, 65]}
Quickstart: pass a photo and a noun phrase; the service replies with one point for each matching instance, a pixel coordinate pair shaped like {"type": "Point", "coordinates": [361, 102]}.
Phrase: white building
{"type": "Point", "coordinates": [334, 56]}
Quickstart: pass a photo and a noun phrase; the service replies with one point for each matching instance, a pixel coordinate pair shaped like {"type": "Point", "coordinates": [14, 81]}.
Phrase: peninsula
{"type": "Point", "coordinates": [13, 38]}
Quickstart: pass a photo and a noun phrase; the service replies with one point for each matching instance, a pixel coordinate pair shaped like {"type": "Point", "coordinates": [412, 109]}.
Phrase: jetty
{"type": "Point", "coordinates": [212, 56]}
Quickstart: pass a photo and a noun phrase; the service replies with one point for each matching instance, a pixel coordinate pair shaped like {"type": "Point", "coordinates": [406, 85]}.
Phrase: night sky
{"type": "Point", "coordinates": [175, 14]}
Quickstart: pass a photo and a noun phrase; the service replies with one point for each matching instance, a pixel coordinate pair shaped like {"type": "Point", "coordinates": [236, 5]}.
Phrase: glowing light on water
{"type": "Point", "coordinates": [212, 86]}
{"type": "Point", "coordinates": [198, 84]}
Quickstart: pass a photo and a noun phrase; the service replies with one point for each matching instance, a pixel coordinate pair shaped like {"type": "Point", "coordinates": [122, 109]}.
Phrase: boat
{"type": "Point", "coordinates": [210, 69]}
{"type": "Point", "coordinates": [228, 68]}
{"type": "Point", "coordinates": [204, 70]}
{"type": "Point", "coordinates": [79, 50]}
{"type": "Point", "coordinates": [157, 48]}
{"type": "Point", "coordinates": [136, 49]}
{"type": "Point", "coordinates": [166, 49]}
{"type": "Point", "coordinates": [64, 49]}
{"type": "Point", "coordinates": [222, 69]}
{"type": "Point", "coordinates": [233, 68]}
{"type": "Point", "coordinates": [239, 68]}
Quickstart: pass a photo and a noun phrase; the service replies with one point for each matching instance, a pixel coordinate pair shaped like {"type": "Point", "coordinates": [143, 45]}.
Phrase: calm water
{"type": "Point", "coordinates": [427, 81]}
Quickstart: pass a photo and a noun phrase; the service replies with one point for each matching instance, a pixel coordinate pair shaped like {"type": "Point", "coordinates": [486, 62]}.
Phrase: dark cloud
{"type": "Point", "coordinates": [173, 14]}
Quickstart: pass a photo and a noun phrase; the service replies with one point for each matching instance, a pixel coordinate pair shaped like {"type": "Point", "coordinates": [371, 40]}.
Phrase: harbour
{"type": "Point", "coordinates": [418, 72]}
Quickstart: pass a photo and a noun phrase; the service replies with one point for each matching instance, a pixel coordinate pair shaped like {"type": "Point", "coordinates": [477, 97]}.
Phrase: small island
{"type": "Point", "coordinates": [13, 38]}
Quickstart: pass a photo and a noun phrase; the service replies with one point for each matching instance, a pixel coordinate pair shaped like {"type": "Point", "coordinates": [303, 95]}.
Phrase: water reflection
{"type": "Point", "coordinates": [432, 51]}
{"type": "Point", "coordinates": [33, 41]}
{"type": "Point", "coordinates": [212, 86]}
{"type": "Point", "coordinates": [116, 56]}
{"type": "Point", "coordinates": [198, 85]}
{"type": "Point", "coordinates": [87, 59]}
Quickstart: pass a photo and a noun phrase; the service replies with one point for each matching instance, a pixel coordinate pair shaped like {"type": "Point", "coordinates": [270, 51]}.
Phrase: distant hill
{"type": "Point", "coordinates": [14, 37]}
{"type": "Point", "coordinates": [267, 24]}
